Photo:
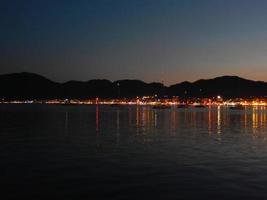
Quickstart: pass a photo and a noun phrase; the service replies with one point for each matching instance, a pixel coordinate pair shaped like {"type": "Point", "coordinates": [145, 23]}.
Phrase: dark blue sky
{"type": "Point", "coordinates": [152, 40]}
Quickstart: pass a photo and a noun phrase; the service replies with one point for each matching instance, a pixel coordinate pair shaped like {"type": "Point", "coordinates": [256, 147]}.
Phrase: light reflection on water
{"type": "Point", "coordinates": [104, 152]}
{"type": "Point", "coordinates": [213, 120]}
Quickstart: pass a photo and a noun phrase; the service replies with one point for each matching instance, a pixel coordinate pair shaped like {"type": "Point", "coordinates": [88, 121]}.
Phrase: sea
{"type": "Point", "coordinates": [132, 152]}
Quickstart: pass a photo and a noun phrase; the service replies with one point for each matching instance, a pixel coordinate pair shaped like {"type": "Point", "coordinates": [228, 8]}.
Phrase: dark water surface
{"type": "Point", "coordinates": [102, 152]}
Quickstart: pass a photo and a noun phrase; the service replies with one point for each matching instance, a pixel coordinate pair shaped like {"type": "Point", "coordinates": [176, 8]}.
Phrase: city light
{"type": "Point", "coordinates": [149, 100]}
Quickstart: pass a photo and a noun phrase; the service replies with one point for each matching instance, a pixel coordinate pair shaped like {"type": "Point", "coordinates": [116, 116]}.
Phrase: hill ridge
{"type": "Point", "coordinates": [25, 85]}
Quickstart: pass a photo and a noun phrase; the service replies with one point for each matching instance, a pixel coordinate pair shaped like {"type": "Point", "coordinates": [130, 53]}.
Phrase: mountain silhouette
{"type": "Point", "coordinates": [22, 86]}
{"type": "Point", "coordinates": [226, 86]}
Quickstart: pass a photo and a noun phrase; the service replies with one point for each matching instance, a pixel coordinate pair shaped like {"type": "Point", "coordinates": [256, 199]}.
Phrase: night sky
{"type": "Point", "coordinates": [151, 40]}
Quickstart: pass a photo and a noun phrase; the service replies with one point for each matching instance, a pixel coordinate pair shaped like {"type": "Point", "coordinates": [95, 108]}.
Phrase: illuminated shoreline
{"type": "Point", "coordinates": [217, 101]}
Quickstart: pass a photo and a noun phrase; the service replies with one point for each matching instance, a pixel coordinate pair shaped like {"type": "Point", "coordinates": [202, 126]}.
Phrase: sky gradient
{"type": "Point", "coordinates": [151, 40]}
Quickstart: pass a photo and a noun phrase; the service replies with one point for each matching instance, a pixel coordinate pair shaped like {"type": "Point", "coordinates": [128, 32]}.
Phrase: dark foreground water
{"type": "Point", "coordinates": [102, 152]}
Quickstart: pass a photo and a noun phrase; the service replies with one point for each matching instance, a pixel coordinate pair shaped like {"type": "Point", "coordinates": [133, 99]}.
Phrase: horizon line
{"type": "Point", "coordinates": [132, 79]}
